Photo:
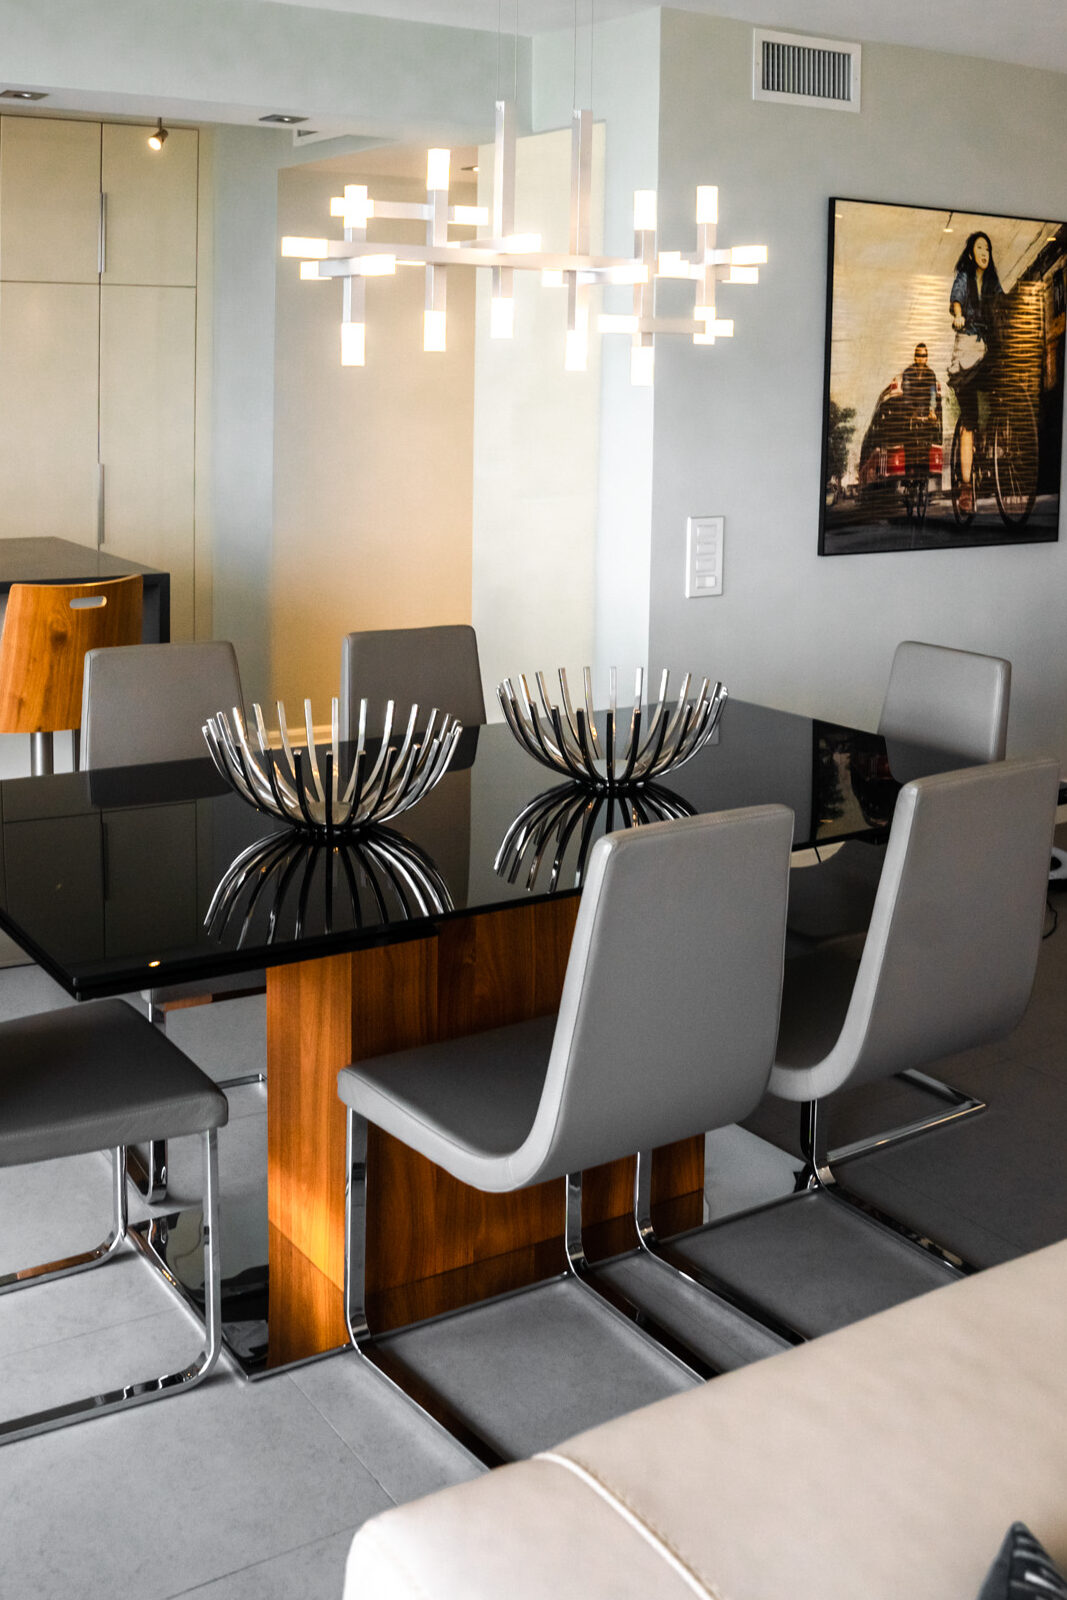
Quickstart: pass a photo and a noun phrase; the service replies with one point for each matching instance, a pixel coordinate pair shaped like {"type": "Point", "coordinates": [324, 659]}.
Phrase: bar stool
{"type": "Point", "coordinates": [48, 627]}
{"type": "Point", "coordinates": [98, 1077]}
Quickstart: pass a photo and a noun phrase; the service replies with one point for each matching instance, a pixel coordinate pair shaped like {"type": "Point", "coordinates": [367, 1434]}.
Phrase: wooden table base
{"type": "Point", "coordinates": [432, 1242]}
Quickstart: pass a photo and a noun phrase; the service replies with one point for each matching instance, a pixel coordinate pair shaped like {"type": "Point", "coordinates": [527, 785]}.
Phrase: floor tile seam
{"type": "Point", "coordinates": [913, 1189]}
{"type": "Point", "coordinates": [93, 1332]}
{"type": "Point", "coordinates": [251, 1566]}
{"type": "Point", "coordinates": [1053, 1074]}
{"type": "Point", "coordinates": [323, 1417]}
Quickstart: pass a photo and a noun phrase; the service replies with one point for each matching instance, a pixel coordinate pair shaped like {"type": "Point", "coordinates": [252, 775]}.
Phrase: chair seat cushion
{"type": "Point", "coordinates": [94, 1076]}
{"type": "Point", "coordinates": [464, 1103]}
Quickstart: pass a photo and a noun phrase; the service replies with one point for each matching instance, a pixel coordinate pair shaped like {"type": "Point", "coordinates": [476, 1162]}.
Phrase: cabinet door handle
{"type": "Point", "coordinates": [101, 516]}
{"type": "Point", "coordinates": [101, 246]}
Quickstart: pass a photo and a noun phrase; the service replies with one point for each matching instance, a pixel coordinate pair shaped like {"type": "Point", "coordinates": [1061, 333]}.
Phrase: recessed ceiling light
{"type": "Point", "coordinates": [23, 94]}
{"type": "Point", "coordinates": [282, 116]}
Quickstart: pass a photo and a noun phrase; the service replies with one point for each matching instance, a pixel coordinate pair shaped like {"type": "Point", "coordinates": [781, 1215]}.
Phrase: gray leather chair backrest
{"type": "Point", "coordinates": [426, 667]}
{"type": "Point", "coordinates": [955, 700]}
{"type": "Point", "coordinates": [669, 1014]}
{"type": "Point", "coordinates": [952, 948]}
{"type": "Point", "coordinates": [149, 702]}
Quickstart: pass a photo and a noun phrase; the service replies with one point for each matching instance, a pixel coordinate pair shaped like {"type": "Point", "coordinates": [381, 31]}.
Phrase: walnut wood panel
{"type": "Point", "coordinates": [320, 1016]}
{"type": "Point", "coordinates": [307, 1317]}
{"type": "Point", "coordinates": [43, 645]}
{"type": "Point", "coordinates": [429, 1237]}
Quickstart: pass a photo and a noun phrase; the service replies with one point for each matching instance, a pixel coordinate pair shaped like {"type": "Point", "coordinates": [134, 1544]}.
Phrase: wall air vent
{"type": "Point", "coordinates": [802, 71]}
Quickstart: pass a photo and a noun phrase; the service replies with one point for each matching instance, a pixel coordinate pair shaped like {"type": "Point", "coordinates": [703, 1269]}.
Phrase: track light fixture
{"type": "Point", "coordinates": [158, 138]}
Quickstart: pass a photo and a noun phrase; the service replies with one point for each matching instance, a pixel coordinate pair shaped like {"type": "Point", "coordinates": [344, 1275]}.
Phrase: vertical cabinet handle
{"type": "Point", "coordinates": [101, 510]}
{"type": "Point", "coordinates": [101, 246]}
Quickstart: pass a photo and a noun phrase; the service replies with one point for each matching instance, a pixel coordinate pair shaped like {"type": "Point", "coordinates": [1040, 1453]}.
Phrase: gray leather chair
{"type": "Point", "coordinates": [666, 1028]}
{"type": "Point", "coordinates": [954, 700]}
{"type": "Point", "coordinates": [98, 1077]}
{"type": "Point", "coordinates": [949, 960]}
{"type": "Point", "coordinates": [426, 667]}
{"type": "Point", "coordinates": [948, 964]}
{"type": "Point", "coordinates": [148, 703]}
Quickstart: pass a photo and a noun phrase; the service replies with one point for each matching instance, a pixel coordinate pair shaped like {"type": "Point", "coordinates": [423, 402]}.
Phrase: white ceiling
{"type": "Point", "coordinates": [1030, 32]}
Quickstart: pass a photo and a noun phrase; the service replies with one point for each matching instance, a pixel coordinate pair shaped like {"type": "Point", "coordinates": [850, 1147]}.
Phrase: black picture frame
{"type": "Point", "coordinates": [905, 437]}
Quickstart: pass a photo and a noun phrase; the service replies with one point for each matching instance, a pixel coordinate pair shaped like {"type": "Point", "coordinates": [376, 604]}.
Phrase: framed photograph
{"type": "Point", "coordinates": [943, 411]}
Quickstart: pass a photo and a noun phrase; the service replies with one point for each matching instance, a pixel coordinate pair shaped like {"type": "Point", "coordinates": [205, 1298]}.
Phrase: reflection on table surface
{"type": "Point", "coordinates": [288, 885]}
{"type": "Point", "coordinates": [542, 833]}
{"type": "Point", "coordinates": [458, 918]}
{"type": "Point", "coordinates": [110, 879]}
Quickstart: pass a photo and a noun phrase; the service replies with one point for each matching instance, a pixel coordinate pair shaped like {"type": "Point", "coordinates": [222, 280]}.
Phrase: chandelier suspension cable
{"type": "Point", "coordinates": [592, 36]}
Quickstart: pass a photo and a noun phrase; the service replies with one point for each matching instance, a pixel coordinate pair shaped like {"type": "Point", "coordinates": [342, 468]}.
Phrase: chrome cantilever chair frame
{"type": "Point", "coordinates": [415, 1390]}
{"type": "Point", "coordinates": [150, 1388]}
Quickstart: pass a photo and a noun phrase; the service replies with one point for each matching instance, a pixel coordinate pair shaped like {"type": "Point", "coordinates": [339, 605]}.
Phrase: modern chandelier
{"type": "Point", "coordinates": [504, 252]}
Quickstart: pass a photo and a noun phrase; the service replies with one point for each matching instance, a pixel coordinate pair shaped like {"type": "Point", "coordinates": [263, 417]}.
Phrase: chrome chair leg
{"type": "Point", "coordinates": [670, 1260]}
{"type": "Point", "coordinates": [147, 1164]}
{"type": "Point", "coordinates": [819, 1174]}
{"type": "Point", "coordinates": [67, 1267]}
{"type": "Point", "coordinates": [961, 1105]}
{"type": "Point", "coordinates": [151, 1388]}
{"type": "Point", "coordinates": [402, 1379]}
{"type": "Point", "coordinates": [620, 1305]}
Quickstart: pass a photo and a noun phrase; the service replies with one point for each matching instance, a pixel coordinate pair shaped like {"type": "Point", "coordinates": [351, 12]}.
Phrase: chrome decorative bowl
{"type": "Point", "coordinates": [574, 814]}
{"type": "Point", "coordinates": [351, 788]}
{"type": "Point", "coordinates": [566, 740]}
{"type": "Point", "coordinates": [286, 886]}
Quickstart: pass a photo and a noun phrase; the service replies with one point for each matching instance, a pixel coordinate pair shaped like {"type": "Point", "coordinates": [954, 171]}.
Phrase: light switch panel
{"type": "Point", "coordinates": [703, 556]}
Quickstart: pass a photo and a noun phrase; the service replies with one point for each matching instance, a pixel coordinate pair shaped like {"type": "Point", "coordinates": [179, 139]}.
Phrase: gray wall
{"type": "Point", "coordinates": [737, 427]}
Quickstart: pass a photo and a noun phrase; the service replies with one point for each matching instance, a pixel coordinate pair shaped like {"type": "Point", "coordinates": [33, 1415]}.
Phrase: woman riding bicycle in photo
{"type": "Point", "coordinates": [972, 301]}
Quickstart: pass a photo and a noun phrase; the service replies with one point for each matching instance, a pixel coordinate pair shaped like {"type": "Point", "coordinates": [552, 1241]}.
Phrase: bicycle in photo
{"type": "Point", "coordinates": [1004, 459]}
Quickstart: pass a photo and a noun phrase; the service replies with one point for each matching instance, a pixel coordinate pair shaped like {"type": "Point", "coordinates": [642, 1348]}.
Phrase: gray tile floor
{"type": "Point", "coordinates": [239, 1490]}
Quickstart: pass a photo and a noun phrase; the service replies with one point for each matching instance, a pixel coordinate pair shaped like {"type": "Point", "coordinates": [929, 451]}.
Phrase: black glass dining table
{"type": "Point", "coordinates": [456, 917]}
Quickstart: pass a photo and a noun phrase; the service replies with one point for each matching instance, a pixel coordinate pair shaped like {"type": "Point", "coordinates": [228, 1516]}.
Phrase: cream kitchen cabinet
{"type": "Point", "coordinates": [49, 200]}
{"type": "Point", "coordinates": [98, 259]}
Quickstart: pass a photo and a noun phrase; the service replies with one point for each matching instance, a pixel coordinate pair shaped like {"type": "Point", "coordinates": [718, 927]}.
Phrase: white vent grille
{"type": "Point", "coordinates": [804, 71]}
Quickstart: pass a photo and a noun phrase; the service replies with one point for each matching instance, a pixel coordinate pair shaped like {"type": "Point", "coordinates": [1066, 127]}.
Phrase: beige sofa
{"type": "Point", "coordinates": [883, 1462]}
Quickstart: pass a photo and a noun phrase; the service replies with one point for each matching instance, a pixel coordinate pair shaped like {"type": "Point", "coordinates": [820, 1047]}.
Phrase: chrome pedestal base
{"type": "Point", "coordinates": [151, 1388]}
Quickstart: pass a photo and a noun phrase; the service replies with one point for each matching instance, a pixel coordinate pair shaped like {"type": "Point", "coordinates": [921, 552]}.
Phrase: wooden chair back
{"type": "Point", "coordinates": [47, 629]}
